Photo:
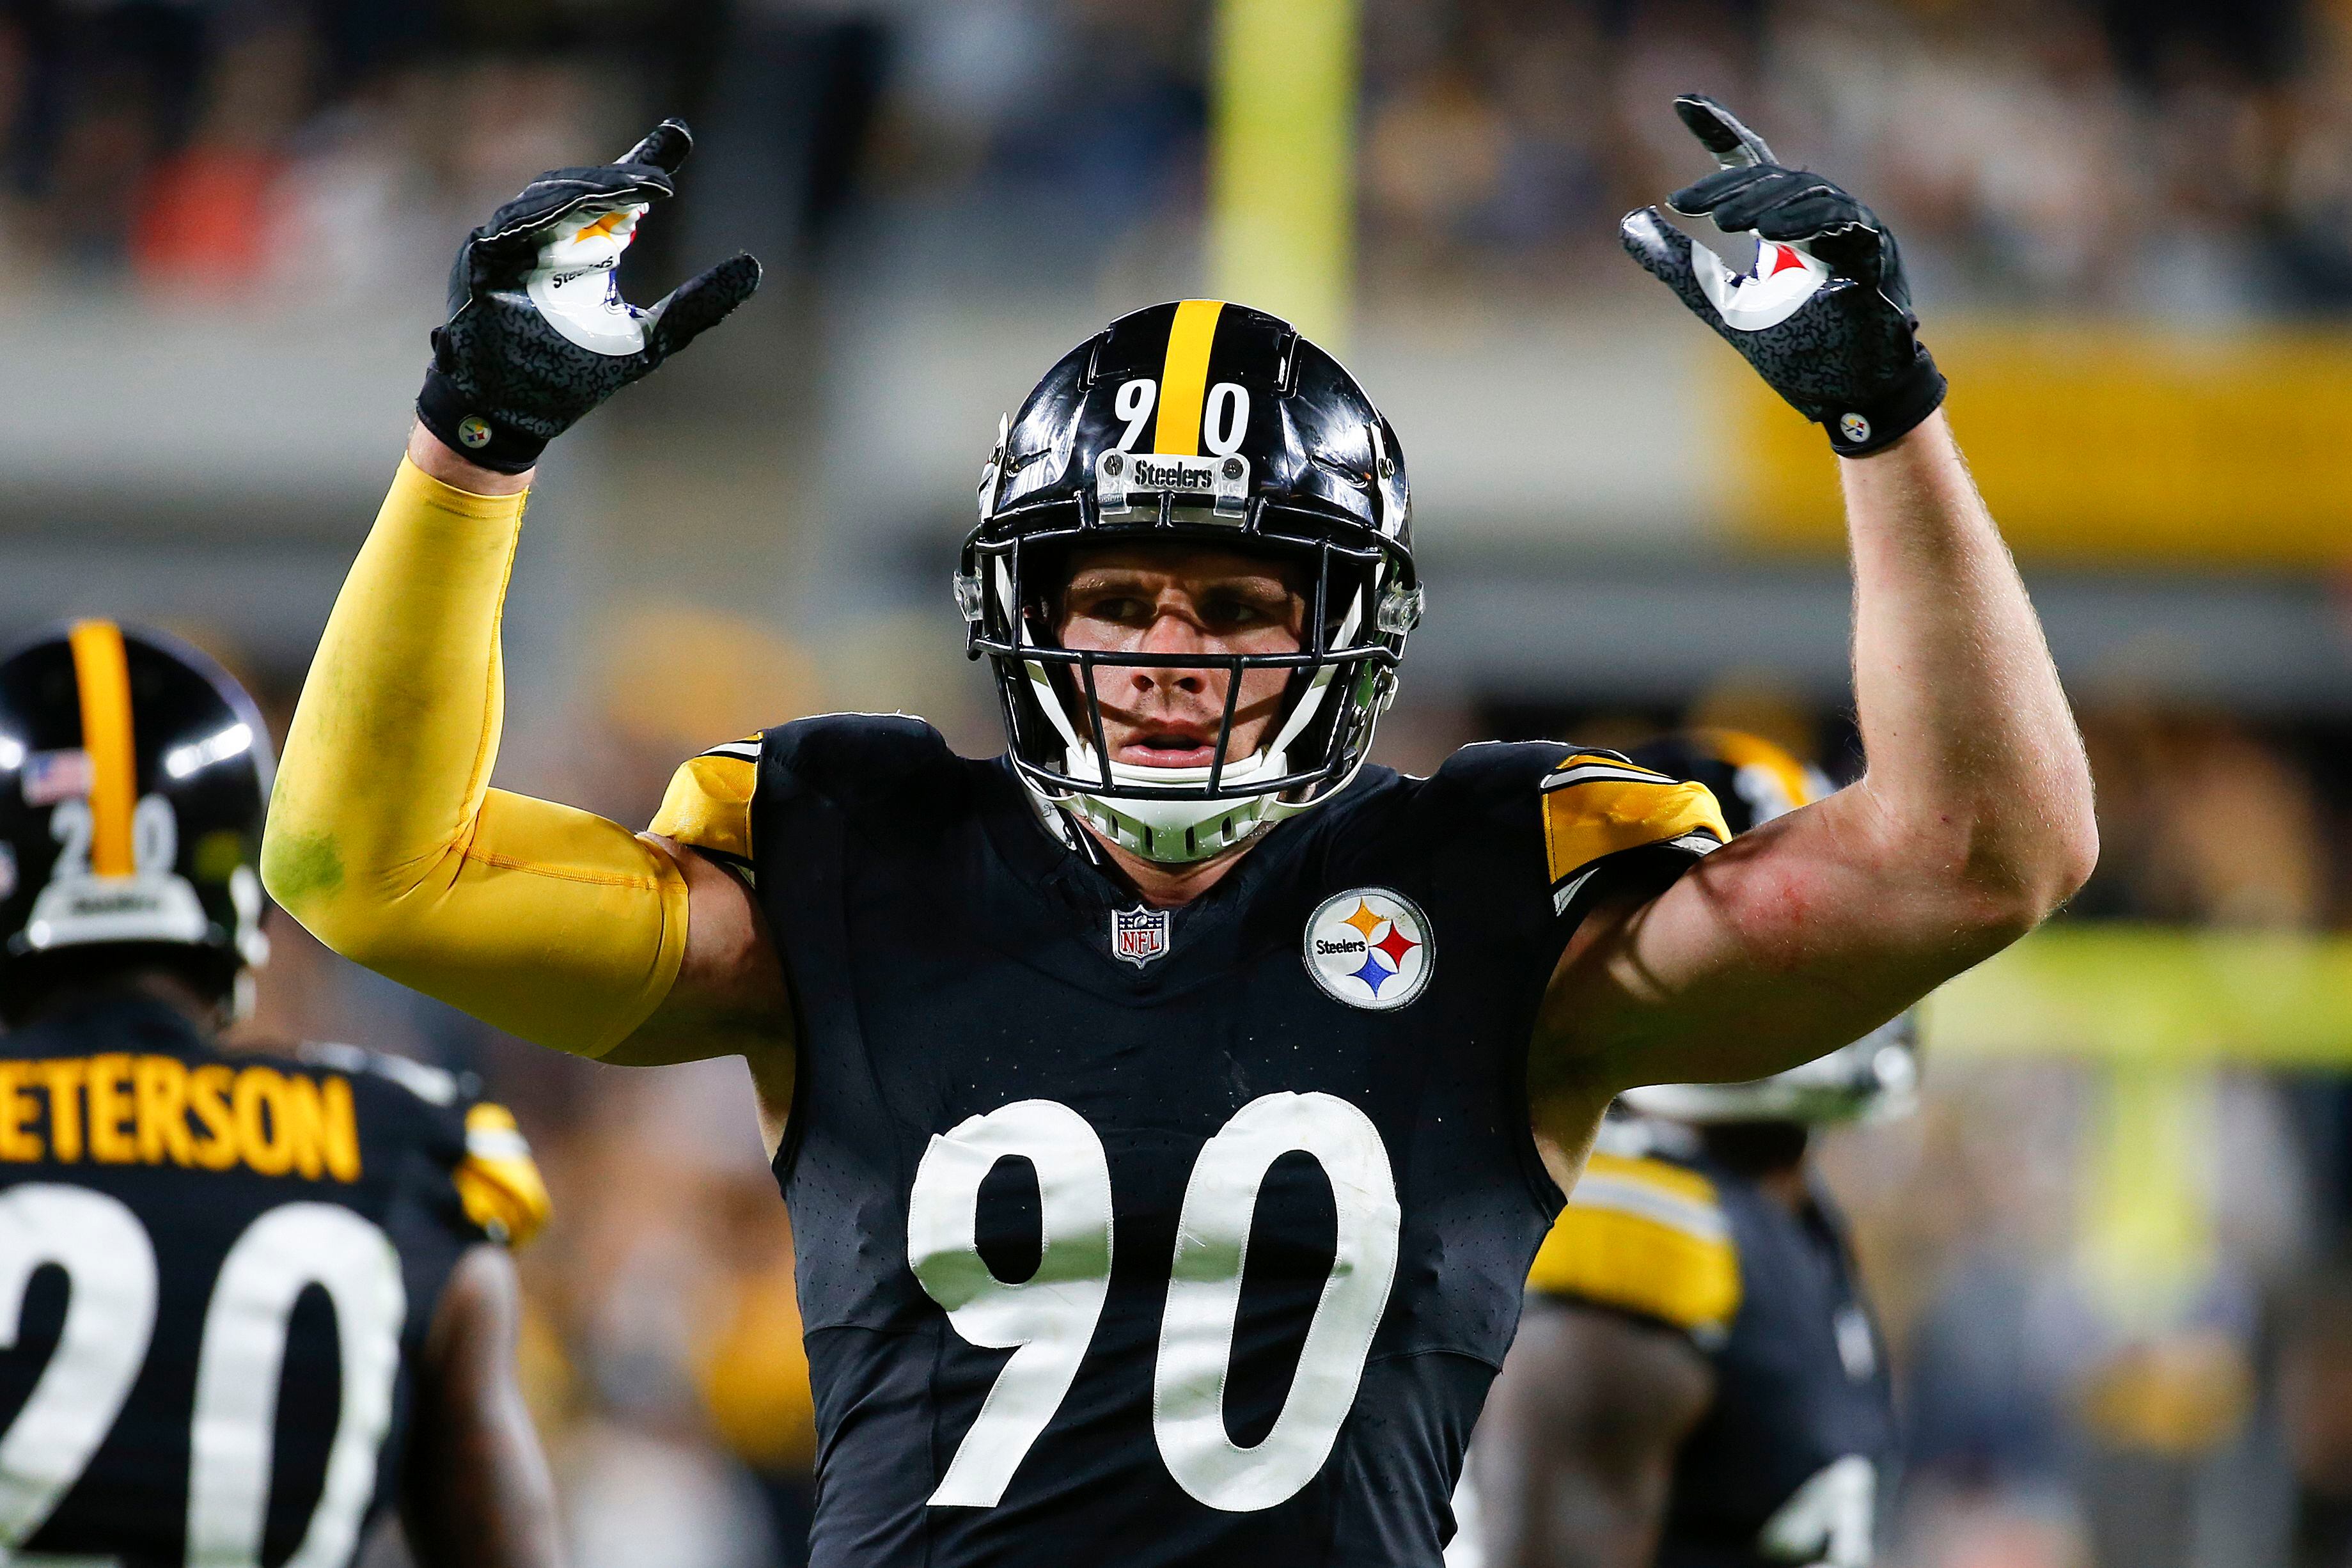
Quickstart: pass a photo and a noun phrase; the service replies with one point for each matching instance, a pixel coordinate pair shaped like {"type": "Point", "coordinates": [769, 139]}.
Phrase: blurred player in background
{"type": "Point", "coordinates": [246, 1301]}
{"type": "Point", "coordinates": [1698, 1381]}
{"type": "Point", "coordinates": [1042, 1043]}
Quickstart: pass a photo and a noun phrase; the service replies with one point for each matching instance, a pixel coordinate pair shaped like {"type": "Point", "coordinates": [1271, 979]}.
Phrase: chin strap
{"type": "Point", "coordinates": [1180, 842]}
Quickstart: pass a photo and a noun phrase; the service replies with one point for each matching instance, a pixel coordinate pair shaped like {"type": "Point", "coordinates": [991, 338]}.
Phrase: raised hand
{"type": "Point", "coordinates": [1825, 317]}
{"type": "Point", "coordinates": [538, 333]}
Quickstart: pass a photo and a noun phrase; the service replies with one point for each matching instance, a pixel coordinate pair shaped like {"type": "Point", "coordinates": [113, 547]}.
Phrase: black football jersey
{"type": "Point", "coordinates": [217, 1270]}
{"type": "Point", "coordinates": [1152, 1236]}
{"type": "Point", "coordinates": [1791, 1462]}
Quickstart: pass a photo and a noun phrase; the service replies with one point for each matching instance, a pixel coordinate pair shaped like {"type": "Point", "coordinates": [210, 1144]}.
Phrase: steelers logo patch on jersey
{"type": "Point", "coordinates": [1370, 948]}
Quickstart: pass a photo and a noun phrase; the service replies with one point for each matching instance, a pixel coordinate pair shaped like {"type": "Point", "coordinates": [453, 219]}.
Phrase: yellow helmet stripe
{"type": "Point", "coordinates": [102, 672]}
{"type": "Point", "coordinates": [1184, 379]}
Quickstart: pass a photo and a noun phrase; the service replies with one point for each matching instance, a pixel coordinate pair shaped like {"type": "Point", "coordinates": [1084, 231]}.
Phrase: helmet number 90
{"type": "Point", "coordinates": [1225, 419]}
{"type": "Point", "coordinates": [1134, 406]}
{"type": "Point", "coordinates": [1224, 414]}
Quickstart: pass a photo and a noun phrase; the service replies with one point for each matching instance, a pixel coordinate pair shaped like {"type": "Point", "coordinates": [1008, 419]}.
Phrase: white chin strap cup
{"type": "Point", "coordinates": [1179, 832]}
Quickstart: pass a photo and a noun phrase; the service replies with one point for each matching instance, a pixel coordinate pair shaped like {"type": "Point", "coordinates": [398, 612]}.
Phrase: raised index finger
{"type": "Point", "coordinates": [1720, 131]}
{"type": "Point", "coordinates": [665, 147]}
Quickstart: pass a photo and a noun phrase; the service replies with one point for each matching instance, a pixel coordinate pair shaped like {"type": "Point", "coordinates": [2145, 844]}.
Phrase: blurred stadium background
{"type": "Point", "coordinates": [2112, 1252]}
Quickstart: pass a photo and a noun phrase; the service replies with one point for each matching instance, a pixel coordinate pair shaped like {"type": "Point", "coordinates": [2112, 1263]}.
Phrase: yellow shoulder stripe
{"type": "Point", "coordinates": [709, 803]}
{"type": "Point", "coordinates": [1643, 1236]}
{"type": "Point", "coordinates": [498, 1181]}
{"type": "Point", "coordinates": [1596, 806]}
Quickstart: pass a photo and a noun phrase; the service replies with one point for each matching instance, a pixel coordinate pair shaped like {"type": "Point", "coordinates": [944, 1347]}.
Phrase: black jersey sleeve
{"type": "Point", "coordinates": [874, 768]}
{"type": "Point", "coordinates": [1595, 823]}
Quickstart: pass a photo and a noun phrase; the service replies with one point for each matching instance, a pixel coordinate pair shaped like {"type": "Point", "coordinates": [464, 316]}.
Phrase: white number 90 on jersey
{"type": "Point", "coordinates": [1048, 1319]}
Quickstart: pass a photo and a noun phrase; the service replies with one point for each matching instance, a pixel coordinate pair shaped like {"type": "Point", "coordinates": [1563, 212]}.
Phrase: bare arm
{"type": "Point", "coordinates": [476, 1493]}
{"type": "Point", "coordinates": [730, 998]}
{"type": "Point", "coordinates": [438, 461]}
{"type": "Point", "coordinates": [1972, 825]}
{"type": "Point", "coordinates": [1575, 1453]}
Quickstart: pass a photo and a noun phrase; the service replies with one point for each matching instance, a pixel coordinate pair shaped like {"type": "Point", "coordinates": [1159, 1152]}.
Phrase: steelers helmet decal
{"type": "Point", "coordinates": [134, 778]}
{"type": "Point", "coordinates": [1210, 425]}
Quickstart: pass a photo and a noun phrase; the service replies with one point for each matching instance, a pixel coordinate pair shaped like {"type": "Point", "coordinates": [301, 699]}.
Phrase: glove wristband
{"type": "Point", "coordinates": [444, 408]}
{"type": "Point", "coordinates": [1891, 416]}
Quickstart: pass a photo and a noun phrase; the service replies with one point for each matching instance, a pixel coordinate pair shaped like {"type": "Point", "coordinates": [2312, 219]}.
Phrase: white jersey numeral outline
{"type": "Point", "coordinates": [1831, 1521]}
{"type": "Point", "coordinates": [239, 1368]}
{"type": "Point", "coordinates": [111, 1282]}
{"type": "Point", "coordinates": [109, 1265]}
{"type": "Point", "coordinates": [1052, 1316]}
{"type": "Point", "coordinates": [1204, 1300]}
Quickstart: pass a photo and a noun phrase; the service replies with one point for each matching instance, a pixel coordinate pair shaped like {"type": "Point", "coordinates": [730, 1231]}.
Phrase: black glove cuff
{"type": "Point", "coordinates": [1891, 416]}
{"type": "Point", "coordinates": [444, 409]}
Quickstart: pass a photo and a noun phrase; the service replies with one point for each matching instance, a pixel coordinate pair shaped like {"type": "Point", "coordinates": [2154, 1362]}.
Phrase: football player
{"type": "Point", "coordinates": [1698, 1379]}
{"type": "Point", "coordinates": [246, 1300]}
{"type": "Point", "coordinates": [1048, 1045]}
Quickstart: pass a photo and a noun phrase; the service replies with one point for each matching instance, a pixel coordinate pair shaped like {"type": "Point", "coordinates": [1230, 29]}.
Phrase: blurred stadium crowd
{"type": "Point", "coordinates": [2179, 157]}
{"type": "Point", "coordinates": [2187, 1400]}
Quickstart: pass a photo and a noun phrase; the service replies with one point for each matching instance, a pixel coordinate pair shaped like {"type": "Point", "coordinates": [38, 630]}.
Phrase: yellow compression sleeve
{"type": "Point", "coordinates": [385, 840]}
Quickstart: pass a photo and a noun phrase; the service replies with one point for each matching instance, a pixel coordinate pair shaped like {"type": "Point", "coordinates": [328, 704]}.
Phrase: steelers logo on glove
{"type": "Point", "coordinates": [1824, 316]}
{"type": "Point", "coordinates": [538, 333]}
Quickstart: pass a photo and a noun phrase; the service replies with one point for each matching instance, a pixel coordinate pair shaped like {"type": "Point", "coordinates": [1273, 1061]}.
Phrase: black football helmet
{"type": "Point", "coordinates": [1210, 424]}
{"type": "Point", "coordinates": [1875, 1078]}
{"type": "Point", "coordinates": [134, 778]}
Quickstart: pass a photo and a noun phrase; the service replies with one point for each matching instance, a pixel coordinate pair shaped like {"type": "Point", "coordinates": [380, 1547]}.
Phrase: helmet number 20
{"type": "Point", "coordinates": [1224, 414]}
{"type": "Point", "coordinates": [154, 836]}
{"type": "Point", "coordinates": [1048, 1319]}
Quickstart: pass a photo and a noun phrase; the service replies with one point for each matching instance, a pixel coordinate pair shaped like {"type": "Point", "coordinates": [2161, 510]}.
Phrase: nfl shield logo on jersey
{"type": "Point", "coordinates": [1138, 935]}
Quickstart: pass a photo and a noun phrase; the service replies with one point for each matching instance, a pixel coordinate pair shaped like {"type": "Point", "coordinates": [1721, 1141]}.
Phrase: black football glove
{"type": "Point", "coordinates": [1826, 317]}
{"type": "Point", "coordinates": [538, 333]}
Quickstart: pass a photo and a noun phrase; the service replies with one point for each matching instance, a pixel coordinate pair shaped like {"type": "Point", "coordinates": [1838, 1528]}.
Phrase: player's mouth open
{"type": "Point", "coordinates": [1170, 749]}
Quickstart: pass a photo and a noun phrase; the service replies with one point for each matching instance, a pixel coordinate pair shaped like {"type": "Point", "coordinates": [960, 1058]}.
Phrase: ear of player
{"type": "Point", "coordinates": [1825, 317]}
{"type": "Point", "coordinates": [538, 333]}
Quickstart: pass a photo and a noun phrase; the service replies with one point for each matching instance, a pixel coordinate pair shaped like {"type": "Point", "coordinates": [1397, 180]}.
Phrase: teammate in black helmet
{"type": "Point", "coordinates": [251, 1300]}
{"type": "Point", "coordinates": [1152, 1100]}
{"type": "Point", "coordinates": [1698, 1381]}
